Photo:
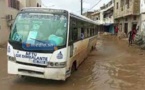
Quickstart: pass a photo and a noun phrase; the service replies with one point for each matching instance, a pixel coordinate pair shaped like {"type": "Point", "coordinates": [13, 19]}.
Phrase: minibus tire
{"type": "Point", "coordinates": [74, 68]}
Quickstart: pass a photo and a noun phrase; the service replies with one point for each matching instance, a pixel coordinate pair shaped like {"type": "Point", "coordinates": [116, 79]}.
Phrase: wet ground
{"type": "Point", "coordinates": [113, 66]}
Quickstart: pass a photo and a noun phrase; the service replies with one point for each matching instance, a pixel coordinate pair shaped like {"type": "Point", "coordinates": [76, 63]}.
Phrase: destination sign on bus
{"type": "Point", "coordinates": [36, 16]}
{"type": "Point", "coordinates": [45, 10]}
{"type": "Point", "coordinates": [34, 57]}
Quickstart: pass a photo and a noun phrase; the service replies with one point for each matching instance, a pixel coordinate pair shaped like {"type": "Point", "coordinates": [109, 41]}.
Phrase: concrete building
{"type": "Point", "coordinates": [9, 10]}
{"type": "Point", "coordinates": [142, 15]}
{"type": "Point", "coordinates": [104, 16]}
{"type": "Point", "coordinates": [126, 14]}
{"type": "Point", "coordinates": [142, 6]}
{"type": "Point", "coordinates": [96, 16]}
{"type": "Point", "coordinates": [88, 14]}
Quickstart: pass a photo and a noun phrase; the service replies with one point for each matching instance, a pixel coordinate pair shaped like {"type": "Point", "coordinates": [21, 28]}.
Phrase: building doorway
{"type": "Point", "coordinates": [134, 26]}
{"type": "Point", "coordinates": [126, 28]}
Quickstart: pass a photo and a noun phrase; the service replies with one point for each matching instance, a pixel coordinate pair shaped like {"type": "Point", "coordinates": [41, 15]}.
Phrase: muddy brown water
{"type": "Point", "coordinates": [113, 66]}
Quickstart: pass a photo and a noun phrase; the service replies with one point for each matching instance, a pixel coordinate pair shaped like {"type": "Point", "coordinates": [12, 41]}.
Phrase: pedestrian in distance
{"type": "Point", "coordinates": [130, 39]}
{"type": "Point", "coordinates": [133, 33]}
{"type": "Point", "coordinates": [116, 30]}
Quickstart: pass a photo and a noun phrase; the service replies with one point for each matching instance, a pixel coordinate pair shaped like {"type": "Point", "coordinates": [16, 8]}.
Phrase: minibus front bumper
{"type": "Point", "coordinates": [38, 72]}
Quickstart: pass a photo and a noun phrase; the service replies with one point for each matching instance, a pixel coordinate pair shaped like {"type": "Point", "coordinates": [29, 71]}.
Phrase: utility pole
{"type": "Point", "coordinates": [81, 7]}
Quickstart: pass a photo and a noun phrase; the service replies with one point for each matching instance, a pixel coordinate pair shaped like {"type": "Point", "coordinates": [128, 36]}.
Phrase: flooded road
{"type": "Point", "coordinates": [113, 66]}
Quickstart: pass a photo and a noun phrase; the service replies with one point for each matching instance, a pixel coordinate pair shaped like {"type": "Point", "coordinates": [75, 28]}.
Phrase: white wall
{"type": "Point", "coordinates": [142, 6]}
{"type": "Point", "coordinates": [142, 25]}
{"type": "Point", "coordinates": [142, 11]}
{"type": "Point", "coordinates": [109, 20]}
{"type": "Point", "coordinates": [106, 20]}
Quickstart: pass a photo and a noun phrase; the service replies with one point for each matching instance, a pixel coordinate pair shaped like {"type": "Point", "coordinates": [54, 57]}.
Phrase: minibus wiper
{"type": "Point", "coordinates": [38, 40]}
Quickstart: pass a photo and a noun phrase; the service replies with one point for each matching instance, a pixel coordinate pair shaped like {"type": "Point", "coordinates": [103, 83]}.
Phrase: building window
{"type": "Point", "coordinates": [38, 5]}
{"type": "Point", "coordinates": [96, 18]}
{"type": "Point", "coordinates": [134, 18]}
{"type": "Point", "coordinates": [127, 2]}
{"type": "Point", "coordinates": [122, 4]}
{"type": "Point", "coordinates": [14, 4]}
{"type": "Point", "coordinates": [126, 19]}
{"type": "Point", "coordinates": [17, 5]}
{"type": "Point", "coordinates": [121, 8]}
{"type": "Point", "coordinates": [117, 5]}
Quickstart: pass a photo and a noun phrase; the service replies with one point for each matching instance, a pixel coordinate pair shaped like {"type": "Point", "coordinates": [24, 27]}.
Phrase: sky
{"type": "Point", "coordinates": [73, 5]}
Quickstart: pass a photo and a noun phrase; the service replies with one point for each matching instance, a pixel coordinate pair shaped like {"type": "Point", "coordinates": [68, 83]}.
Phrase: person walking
{"type": "Point", "coordinates": [130, 39]}
{"type": "Point", "coordinates": [133, 33]}
{"type": "Point", "coordinates": [116, 30]}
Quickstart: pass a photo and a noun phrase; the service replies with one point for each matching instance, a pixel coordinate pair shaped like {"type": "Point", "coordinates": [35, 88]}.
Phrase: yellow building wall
{"type": "Point", "coordinates": [4, 29]}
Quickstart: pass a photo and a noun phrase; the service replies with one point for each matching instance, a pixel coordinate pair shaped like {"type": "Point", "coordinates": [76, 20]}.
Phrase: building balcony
{"type": "Point", "coordinates": [126, 10]}
{"type": "Point", "coordinates": [108, 21]}
{"type": "Point", "coordinates": [98, 21]}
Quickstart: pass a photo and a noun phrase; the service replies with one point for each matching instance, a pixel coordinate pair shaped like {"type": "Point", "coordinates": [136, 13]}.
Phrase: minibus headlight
{"type": "Point", "coordinates": [11, 58]}
{"type": "Point", "coordinates": [56, 64]}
